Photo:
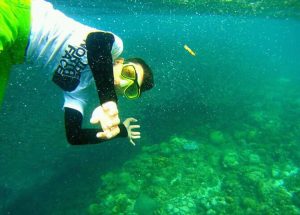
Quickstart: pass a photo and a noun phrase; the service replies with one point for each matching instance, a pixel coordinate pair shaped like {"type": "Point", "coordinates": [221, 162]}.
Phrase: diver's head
{"type": "Point", "coordinates": [131, 77]}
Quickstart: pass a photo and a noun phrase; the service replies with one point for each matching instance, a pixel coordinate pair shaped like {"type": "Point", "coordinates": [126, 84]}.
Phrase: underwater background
{"type": "Point", "coordinates": [220, 130]}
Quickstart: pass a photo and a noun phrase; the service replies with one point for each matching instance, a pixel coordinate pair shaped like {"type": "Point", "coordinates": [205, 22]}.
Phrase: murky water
{"type": "Point", "coordinates": [220, 130]}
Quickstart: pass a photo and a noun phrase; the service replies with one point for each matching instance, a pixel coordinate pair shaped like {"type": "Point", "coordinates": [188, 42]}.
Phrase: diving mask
{"type": "Point", "coordinates": [132, 90]}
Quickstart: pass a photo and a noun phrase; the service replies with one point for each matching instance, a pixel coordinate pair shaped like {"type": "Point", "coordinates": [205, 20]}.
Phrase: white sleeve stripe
{"type": "Point", "coordinates": [74, 106]}
{"type": "Point", "coordinates": [117, 47]}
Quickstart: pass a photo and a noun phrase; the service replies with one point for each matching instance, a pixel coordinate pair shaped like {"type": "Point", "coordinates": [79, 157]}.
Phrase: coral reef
{"type": "Point", "coordinates": [169, 179]}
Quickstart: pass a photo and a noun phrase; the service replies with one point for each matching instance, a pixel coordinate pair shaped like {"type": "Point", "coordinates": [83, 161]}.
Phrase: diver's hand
{"type": "Point", "coordinates": [132, 134]}
{"type": "Point", "coordinates": [107, 116]}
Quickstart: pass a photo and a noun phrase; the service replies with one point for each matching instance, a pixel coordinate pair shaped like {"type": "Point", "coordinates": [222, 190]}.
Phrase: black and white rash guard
{"type": "Point", "coordinates": [75, 57]}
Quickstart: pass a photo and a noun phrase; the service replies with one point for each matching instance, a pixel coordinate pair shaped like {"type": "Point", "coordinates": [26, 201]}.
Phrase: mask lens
{"type": "Point", "coordinates": [132, 91]}
{"type": "Point", "coordinates": [128, 72]}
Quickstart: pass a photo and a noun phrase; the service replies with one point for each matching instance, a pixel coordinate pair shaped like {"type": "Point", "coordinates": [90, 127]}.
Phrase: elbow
{"type": "Point", "coordinates": [73, 140]}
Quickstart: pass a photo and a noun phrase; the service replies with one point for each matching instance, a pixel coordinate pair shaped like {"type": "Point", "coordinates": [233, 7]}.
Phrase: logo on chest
{"type": "Point", "coordinates": [67, 74]}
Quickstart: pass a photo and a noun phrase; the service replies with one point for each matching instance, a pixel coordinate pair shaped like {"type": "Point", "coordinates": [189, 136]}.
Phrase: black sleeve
{"type": "Point", "coordinates": [78, 136]}
{"type": "Point", "coordinates": [99, 45]}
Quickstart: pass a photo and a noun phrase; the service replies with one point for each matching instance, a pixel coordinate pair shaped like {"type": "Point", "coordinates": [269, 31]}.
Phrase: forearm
{"type": "Point", "coordinates": [76, 135]}
{"type": "Point", "coordinates": [99, 45]}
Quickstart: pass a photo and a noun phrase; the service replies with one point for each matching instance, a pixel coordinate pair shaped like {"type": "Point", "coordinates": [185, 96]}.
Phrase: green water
{"type": "Point", "coordinates": [220, 131]}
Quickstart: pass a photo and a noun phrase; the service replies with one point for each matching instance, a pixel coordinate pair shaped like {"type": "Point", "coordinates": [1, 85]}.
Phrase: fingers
{"type": "Point", "coordinates": [134, 126]}
{"type": "Point", "coordinates": [109, 123]}
{"type": "Point", "coordinates": [115, 121]}
{"type": "Point", "coordinates": [101, 135]}
{"type": "Point", "coordinates": [108, 118]}
{"type": "Point", "coordinates": [115, 130]}
{"type": "Point", "coordinates": [131, 141]}
{"type": "Point", "coordinates": [110, 108]}
{"type": "Point", "coordinates": [131, 119]}
{"type": "Point", "coordinates": [108, 133]}
{"type": "Point", "coordinates": [111, 118]}
{"type": "Point", "coordinates": [135, 135]}
{"type": "Point", "coordinates": [128, 121]}
{"type": "Point", "coordinates": [106, 115]}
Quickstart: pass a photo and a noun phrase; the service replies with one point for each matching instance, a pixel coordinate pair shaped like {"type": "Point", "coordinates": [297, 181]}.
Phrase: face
{"type": "Point", "coordinates": [122, 83]}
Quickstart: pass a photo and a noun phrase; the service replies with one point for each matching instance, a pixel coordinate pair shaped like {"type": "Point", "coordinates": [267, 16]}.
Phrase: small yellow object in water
{"type": "Point", "coordinates": [189, 50]}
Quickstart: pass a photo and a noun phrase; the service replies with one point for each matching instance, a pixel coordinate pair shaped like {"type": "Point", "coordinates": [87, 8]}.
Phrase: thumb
{"type": "Point", "coordinates": [133, 119]}
{"type": "Point", "coordinates": [130, 120]}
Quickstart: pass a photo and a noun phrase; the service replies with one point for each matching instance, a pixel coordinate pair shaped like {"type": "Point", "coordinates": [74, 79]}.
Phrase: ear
{"type": "Point", "coordinates": [119, 61]}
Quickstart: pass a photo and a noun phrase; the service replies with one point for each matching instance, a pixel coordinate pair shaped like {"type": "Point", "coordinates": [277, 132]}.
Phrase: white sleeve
{"type": "Point", "coordinates": [117, 47]}
{"type": "Point", "coordinates": [76, 100]}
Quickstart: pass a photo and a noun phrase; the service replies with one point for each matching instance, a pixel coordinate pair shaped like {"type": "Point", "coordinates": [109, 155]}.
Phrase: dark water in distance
{"type": "Point", "coordinates": [243, 63]}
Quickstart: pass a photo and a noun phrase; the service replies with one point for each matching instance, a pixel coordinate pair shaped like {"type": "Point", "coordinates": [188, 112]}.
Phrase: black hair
{"type": "Point", "coordinates": [148, 81]}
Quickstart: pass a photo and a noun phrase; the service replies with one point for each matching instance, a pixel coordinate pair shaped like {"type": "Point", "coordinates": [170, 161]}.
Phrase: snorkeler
{"type": "Point", "coordinates": [73, 55]}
